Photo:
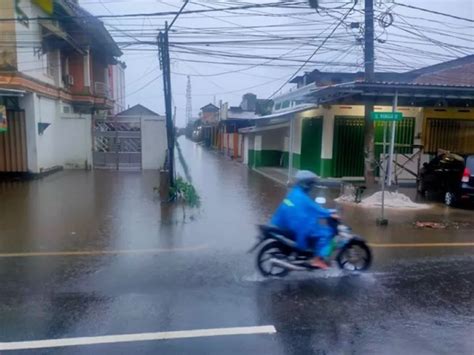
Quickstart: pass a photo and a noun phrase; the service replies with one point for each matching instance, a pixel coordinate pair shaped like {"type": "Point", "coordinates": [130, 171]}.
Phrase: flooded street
{"type": "Point", "coordinates": [89, 254]}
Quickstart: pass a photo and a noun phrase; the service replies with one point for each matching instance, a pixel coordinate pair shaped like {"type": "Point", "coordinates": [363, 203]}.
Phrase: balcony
{"type": "Point", "coordinates": [101, 89]}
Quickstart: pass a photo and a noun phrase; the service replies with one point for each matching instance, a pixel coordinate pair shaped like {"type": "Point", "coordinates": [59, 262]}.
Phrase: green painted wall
{"type": "Point", "coordinates": [251, 158]}
{"type": "Point", "coordinates": [326, 168]}
{"type": "Point", "coordinates": [296, 160]}
{"type": "Point", "coordinates": [264, 158]}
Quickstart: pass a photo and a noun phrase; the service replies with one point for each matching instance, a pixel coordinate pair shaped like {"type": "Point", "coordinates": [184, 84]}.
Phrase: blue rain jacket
{"type": "Point", "coordinates": [300, 214]}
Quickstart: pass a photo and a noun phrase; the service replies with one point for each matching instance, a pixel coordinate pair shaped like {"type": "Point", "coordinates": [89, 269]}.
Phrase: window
{"type": "Point", "coordinates": [67, 109]}
{"type": "Point", "coordinates": [50, 64]}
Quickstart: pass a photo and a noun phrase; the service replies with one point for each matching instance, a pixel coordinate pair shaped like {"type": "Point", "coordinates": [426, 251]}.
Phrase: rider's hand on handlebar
{"type": "Point", "coordinates": [335, 216]}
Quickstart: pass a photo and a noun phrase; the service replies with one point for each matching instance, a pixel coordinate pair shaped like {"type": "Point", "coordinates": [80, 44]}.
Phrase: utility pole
{"type": "Point", "coordinates": [369, 130]}
{"type": "Point", "coordinates": [165, 67]}
{"type": "Point", "coordinates": [164, 55]}
{"type": "Point", "coordinates": [189, 105]}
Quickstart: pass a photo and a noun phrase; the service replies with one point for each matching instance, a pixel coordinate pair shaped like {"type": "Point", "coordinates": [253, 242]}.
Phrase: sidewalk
{"type": "Point", "coordinates": [280, 175]}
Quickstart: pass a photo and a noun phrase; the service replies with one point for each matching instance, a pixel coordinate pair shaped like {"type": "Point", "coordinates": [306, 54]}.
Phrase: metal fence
{"type": "Point", "coordinates": [456, 136]}
{"type": "Point", "coordinates": [13, 155]}
{"type": "Point", "coordinates": [117, 144]}
{"type": "Point", "coordinates": [348, 146]}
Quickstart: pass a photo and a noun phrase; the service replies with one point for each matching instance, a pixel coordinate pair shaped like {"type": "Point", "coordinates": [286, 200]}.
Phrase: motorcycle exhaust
{"type": "Point", "coordinates": [286, 265]}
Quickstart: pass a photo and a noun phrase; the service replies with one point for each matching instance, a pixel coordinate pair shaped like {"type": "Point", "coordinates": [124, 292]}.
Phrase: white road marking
{"type": "Point", "coordinates": [421, 245]}
{"type": "Point", "coordinates": [102, 252]}
{"type": "Point", "coordinates": [125, 338]}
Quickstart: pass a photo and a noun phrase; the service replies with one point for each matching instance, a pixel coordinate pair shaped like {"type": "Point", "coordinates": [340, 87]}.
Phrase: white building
{"type": "Point", "coordinates": [117, 87]}
{"type": "Point", "coordinates": [54, 75]}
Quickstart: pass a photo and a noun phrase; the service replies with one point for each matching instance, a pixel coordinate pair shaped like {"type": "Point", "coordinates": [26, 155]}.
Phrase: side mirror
{"type": "Point", "coordinates": [425, 165]}
{"type": "Point", "coordinates": [320, 200]}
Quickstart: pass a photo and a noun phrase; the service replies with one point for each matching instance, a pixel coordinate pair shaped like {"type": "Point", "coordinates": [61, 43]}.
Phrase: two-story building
{"type": "Point", "coordinates": [58, 67]}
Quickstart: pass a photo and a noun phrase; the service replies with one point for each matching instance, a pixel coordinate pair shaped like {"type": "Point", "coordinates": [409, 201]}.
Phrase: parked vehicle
{"type": "Point", "coordinates": [278, 253]}
{"type": "Point", "coordinates": [448, 175]}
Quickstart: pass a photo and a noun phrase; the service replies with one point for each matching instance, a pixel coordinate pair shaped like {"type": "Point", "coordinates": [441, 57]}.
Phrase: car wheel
{"type": "Point", "coordinates": [420, 188]}
{"type": "Point", "coordinates": [449, 198]}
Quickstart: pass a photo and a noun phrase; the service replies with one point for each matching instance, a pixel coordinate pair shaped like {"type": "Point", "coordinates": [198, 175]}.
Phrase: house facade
{"type": "Point", "coordinates": [209, 114]}
{"type": "Point", "coordinates": [117, 87]}
{"type": "Point", "coordinates": [153, 141]}
{"type": "Point", "coordinates": [325, 112]}
{"type": "Point", "coordinates": [55, 73]}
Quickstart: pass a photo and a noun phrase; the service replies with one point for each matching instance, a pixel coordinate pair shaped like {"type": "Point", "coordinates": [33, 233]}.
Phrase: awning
{"type": "Point", "coordinates": [380, 93]}
{"type": "Point", "coordinates": [255, 129]}
{"type": "Point", "coordinates": [276, 120]}
{"type": "Point", "coordinates": [53, 28]}
{"type": "Point", "coordinates": [12, 92]}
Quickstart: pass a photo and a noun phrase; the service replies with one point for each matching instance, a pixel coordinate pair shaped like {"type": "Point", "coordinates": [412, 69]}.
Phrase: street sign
{"type": "Point", "coordinates": [387, 116]}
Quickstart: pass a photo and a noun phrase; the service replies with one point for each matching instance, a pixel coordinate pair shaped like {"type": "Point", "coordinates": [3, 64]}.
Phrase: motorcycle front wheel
{"type": "Point", "coordinates": [272, 250]}
{"type": "Point", "coordinates": [354, 256]}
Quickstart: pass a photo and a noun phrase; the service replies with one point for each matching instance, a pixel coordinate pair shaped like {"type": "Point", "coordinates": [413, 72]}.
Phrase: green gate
{"type": "Point", "coordinates": [404, 136]}
{"type": "Point", "coordinates": [348, 146]}
{"type": "Point", "coordinates": [311, 139]}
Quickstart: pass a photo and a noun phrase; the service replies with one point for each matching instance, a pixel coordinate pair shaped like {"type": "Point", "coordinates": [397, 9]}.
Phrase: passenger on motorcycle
{"type": "Point", "coordinates": [300, 214]}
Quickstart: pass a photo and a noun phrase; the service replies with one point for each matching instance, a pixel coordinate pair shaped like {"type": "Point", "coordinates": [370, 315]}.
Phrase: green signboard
{"type": "Point", "coordinates": [387, 116]}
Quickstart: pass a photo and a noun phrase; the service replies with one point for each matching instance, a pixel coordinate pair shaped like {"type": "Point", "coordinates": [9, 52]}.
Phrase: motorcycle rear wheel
{"type": "Point", "coordinates": [271, 250]}
{"type": "Point", "coordinates": [354, 256]}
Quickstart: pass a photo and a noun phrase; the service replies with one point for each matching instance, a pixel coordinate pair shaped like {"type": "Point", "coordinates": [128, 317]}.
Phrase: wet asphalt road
{"type": "Point", "coordinates": [139, 268]}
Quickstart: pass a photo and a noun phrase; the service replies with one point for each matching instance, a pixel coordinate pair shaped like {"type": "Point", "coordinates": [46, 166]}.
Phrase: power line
{"type": "Point", "coordinates": [239, 90]}
{"type": "Point", "coordinates": [154, 14]}
{"type": "Point", "coordinates": [177, 15]}
{"type": "Point", "coordinates": [315, 51]}
{"type": "Point", "coordinates": [434, 12]}
{"type": "Point", "coordinates": [144, 86]}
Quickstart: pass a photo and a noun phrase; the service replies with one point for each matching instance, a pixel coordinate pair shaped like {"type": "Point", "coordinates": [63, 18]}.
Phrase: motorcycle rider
{"type": "Point", "coordinates": [300, 214]}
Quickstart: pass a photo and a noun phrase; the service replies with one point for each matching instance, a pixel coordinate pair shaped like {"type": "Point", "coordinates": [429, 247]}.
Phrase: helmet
{"type": "Point", "coordinates": [306, 180]}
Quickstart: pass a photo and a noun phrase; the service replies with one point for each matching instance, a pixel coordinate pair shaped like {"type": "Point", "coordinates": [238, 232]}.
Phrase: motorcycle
{"type": "Point", "coordinates": [278, 253]}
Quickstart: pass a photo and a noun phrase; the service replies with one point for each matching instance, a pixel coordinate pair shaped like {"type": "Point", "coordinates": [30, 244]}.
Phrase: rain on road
{"type": "Point", "coordinates": [87, 254]}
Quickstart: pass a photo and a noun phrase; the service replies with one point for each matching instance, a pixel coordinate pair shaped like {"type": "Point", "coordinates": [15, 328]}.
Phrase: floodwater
{"type": "Point", "coordinates": [96, 253]}
{"type": "Point", "coordinates": [80, 210]}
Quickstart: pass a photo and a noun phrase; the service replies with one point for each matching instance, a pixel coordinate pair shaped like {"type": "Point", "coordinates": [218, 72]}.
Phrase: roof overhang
{"type": "Point", "coordinates": [53, 29]}
{"type": "Point", "coordinates": [255, 129]}
{"type": "Point", "coordinates": [383, 92]}
{"type": "Point", "coordinates": [12, 92]}
{"type": "Point", "coordinates": [276, 120]}
{"type": "Point", "coordinates": [90, 24]}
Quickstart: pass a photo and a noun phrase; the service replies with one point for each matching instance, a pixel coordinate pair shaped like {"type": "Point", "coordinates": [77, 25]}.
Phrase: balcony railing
{"type": "Point", "coordinates": [101, 89]}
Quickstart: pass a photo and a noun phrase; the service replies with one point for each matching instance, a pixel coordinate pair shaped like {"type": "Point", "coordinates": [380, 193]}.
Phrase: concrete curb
{"type": "Point", "coordinates": [330, 182]}
{"type": "Point", "coordinates": [268, 176]}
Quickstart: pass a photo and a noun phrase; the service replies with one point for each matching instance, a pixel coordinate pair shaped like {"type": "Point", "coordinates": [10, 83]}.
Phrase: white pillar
{"type": "Point", "coordinates": [290, 148]}
{"type": "Point", "coordinates": [328, 134]}
{"type": "Point", "coordinates": [31, 107]}
{"type": "Point", "coordinates": [87, 69]}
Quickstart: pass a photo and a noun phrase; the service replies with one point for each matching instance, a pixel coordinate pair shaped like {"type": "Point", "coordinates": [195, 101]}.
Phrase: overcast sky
{"type": "Point", "coordinates": [264, 47]}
